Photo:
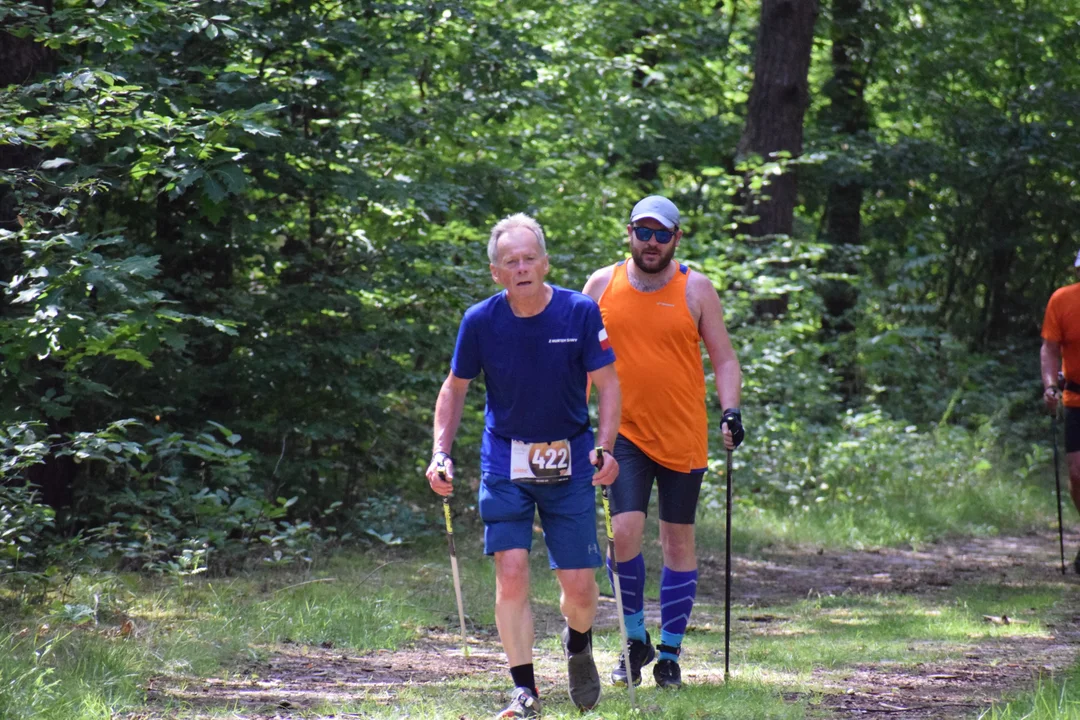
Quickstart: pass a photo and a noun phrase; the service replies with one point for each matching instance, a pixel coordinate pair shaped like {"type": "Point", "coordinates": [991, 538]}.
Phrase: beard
{"type": "Point", "coordinates": [653, 263]}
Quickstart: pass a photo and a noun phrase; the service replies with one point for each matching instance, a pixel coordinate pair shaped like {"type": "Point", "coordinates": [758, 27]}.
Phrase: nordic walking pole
{"type": "Point", "coordinates": [1057, 482]}
{"type": "Point", "coordinates": [615, 579]}
{"type": "Point", "coordinates": [441, 469]}
{"type": "Point", "coordinates": [727, 574]}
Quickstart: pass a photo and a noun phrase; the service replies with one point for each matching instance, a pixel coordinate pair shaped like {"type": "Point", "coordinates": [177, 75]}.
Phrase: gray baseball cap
{"type": "Point", "coordinates": [658, 208]}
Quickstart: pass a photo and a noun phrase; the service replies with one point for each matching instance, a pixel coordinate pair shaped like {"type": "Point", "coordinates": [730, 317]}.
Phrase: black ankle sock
{"type": "Point", "coordinates": [578, 641]}
{"type": "Point", "coordinates": [524, 676]}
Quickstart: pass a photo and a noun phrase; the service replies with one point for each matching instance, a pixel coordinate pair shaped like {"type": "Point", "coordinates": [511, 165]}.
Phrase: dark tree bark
{"type": "Point", "coordinates": [778, 101]}
{"type": "Point", "coordinates": [847, 114]}
{"type": "Point", "coordinates": [21, 59]}
{"type": "Point", "coordinates": [848, 117]}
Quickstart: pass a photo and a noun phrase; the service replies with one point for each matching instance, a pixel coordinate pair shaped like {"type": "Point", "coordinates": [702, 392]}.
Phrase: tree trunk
{"type": "Point", "coordinates": [778, 101]}
{"type": "Point", "coordinates": [848, 117]}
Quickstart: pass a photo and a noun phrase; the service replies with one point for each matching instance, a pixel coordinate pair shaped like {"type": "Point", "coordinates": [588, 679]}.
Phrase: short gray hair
{"type": "Point", "coordinates": [517, 220]}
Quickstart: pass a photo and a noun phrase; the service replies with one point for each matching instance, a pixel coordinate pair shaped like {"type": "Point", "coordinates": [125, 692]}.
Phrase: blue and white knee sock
{"type": "Point", "coordinates": [677, 593]}
{"type": "Point", "coordinates": [632, 583]}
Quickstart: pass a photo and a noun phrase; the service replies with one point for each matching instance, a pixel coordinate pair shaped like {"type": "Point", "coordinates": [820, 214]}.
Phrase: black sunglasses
{"type": "Point", "coordinates": [645, 234]}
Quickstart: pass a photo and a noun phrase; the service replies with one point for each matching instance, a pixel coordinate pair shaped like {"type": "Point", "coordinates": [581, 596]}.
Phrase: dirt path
{"type": "Point", "coordinates": [294, 677]}
{"type": "Point", "coordinates": [954, 689]}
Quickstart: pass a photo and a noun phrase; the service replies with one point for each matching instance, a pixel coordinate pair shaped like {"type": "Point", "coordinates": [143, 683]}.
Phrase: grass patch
{"type": "Point", "coordinates": [224, 627]}
{"type": "Point", "coordinates": [73, 659]}
{"type": "Point", "coordinates": [76, 660]}
{"type": "Point", "coordinates": [742, 699]}
{"type": "Point", "coordinates": [1051, 700]}
{"type": "Point", "coordinates": [872, 483]}
{"type": "Point", "coordinates": [70, 673]}
{"type": "Point", "coordinates": [845, 631]}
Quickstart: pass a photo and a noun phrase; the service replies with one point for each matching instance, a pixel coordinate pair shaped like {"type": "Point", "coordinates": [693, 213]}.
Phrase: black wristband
{"type": "Point", "coordinates": [445, 455]}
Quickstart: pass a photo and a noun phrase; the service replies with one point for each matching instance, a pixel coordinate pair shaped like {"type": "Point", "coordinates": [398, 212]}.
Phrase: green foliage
{"type": "Point", "coordinates": [164, 503]}
{"type": "Point", "coordinates": [272, 215]}
{"type": "Point", "coordinates": [878, 481]}
{"type": "Point", "coordinates": [24, 523]}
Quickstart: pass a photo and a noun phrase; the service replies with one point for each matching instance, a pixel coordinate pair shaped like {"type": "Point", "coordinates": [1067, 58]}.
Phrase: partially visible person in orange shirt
{"type": "Point", "coordinates": [1061, 352]}
{"type": "Point", "coordinates": [657, 313]}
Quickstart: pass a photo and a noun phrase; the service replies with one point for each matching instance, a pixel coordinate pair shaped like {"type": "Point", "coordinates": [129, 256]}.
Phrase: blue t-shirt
{"type": "Point", "coordinates": [536, 369]}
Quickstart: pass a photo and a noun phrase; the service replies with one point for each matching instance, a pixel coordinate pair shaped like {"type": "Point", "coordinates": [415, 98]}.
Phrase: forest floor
{"type": "Point", "coordinates": [952, 677]}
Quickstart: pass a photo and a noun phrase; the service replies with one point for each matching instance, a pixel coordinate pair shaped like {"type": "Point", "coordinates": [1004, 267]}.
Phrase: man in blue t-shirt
{"type": "Point", "coordinates": [538, 345]}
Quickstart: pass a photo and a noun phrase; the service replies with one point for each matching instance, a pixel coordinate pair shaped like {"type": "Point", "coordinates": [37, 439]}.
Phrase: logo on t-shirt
{"type": "Point", "coordinates": [602, 335]}
{"type": "Point", "coordinates": [561, 340]}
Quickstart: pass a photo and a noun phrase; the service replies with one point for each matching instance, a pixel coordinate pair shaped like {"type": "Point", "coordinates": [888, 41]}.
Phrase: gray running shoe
{"type": "Point", "coordinates": [641, 653]}
{"type": "Point", "coordinates": [523, 704]}
{"type": "Point", "coordinates": [584, 680]}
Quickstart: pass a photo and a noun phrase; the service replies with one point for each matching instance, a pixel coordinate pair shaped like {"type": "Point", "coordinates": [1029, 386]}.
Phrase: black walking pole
{"type": "Point", "coordinates": [1057, 482]}
{"type": "Point", "coordinates": [727, 574]}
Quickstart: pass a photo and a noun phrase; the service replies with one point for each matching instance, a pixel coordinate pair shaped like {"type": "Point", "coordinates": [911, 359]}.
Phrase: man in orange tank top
{"type": "Point", "coordinates": [657, 312]}
{"type": "Point", "coordinates": [1061, 351]}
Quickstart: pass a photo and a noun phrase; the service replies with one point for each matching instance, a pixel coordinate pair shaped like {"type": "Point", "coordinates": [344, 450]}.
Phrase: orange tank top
{"type": "Point", "coordinates": [1061, 324]}
{"type": "Point", "coordinates": [658, 360]}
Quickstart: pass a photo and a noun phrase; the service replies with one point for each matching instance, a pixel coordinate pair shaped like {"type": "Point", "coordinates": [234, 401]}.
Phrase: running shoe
{"type": "Point", "coordinates": [523, 704]}
{"type": "Point", "coordinates": [584, 680]}
{"type": "Point", "coordinates": [641, 653]}
{"type": "Point", "coordinates": [667, 674]}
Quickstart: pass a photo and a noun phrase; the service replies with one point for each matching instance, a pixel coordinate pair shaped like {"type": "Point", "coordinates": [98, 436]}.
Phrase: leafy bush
{"type": "Point", "coordinates": [161, 501]}
{"type": "Point", "coordinates": [875, 480]}
{"type": "Point", "coordinates": [24, 525]}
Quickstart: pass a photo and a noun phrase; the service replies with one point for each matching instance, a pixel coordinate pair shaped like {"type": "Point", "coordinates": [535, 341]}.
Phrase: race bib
{"type": "Point", "coordinates": [541, 463]}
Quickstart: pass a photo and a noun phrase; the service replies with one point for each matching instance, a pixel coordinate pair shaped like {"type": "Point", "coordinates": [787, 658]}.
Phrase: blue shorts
{"type": "Point", "coordinates": [676, 492]}
{"type": "Point", "coordinates": [567, 514]}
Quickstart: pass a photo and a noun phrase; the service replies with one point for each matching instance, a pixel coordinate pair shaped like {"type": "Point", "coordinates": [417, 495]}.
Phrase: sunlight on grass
{"type": "Point", "coordinates": [217, 627]}
{"type": "Point", "coordinates": [844, 631]}
{"type": "Point", "coordinates": [1051, 700]}
{"type": "Point", "coordinates": [884, 491]}
{"type": "Point", "coordinates": [900, 518]}
{"type": "Point", "coordinates": [73, 674]}
{"type": "Point", "coordinates": [82, 666]}
{"type": "Point", "coordinates": [742, 699]}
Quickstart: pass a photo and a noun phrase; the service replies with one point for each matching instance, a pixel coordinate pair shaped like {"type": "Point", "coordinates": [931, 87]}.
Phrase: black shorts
{"type": "Point", "coordinates": [676, 492]}
{"type": "Point", "coordinates": [1072, 432]}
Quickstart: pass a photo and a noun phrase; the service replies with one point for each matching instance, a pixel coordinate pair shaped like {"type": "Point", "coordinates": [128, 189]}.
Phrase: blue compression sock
{"type": "Point", "coordinates": [632, 582]}
{"type": "Point", "coordinates": [677, 593]}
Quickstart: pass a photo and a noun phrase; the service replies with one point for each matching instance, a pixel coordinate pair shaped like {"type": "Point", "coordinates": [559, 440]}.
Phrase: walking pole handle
{"type": "Point", "coordinates": [607, 506]}
{"type": "Point", "coordinates": [440, 467]}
